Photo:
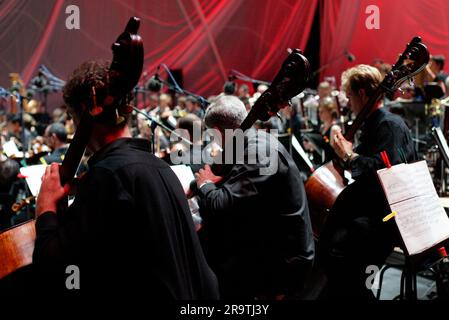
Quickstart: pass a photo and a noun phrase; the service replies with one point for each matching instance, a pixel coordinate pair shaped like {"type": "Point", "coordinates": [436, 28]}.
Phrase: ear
{"type": "Point", "coordinates": [362, 94]}
{"type": "Point", "coordinates": [219, 130]}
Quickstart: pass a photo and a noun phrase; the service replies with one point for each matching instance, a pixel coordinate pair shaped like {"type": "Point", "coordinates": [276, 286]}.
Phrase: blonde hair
{"type": "Point", "coordinates": [363, 77]}
{"type": "Point", "coordinates": [167, 99]}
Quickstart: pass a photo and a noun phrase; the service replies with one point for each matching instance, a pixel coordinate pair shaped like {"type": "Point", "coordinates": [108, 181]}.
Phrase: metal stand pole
{"type": "Point", "coordinates": [443, 179]}
{"type": "Point", "coordinates": [410, 291]}
{"type": "Point", "coordinates": [416, 134]}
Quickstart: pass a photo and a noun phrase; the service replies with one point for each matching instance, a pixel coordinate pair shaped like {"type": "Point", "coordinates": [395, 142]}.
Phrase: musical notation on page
{"type": "Point", "coordinates": [421, 219]}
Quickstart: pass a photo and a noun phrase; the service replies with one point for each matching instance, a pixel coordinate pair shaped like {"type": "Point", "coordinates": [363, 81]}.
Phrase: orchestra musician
{"type": "Point", "coordinates": [21, 135]}
{"type": "Point", "coordinates": [312, 104]}
{"type": "Point", "coordinates": [10, 185]}
{"type": "Point", "coordinates": [435, 72]}
{"type": "Point", "coordinates": [192, 155]}
{"type": "Point", "coordinates": [355, 236]}
{"type": "Point", "coordinates": [194, 106]}
{"type": "Point", "coordinates": [129, 229]}
{"type": "Point", "coordinates": [55, 137]}
{"type": "Point", "coordinates": [256, 229]}
{"type": "Point", "coordinates": [320, 143]}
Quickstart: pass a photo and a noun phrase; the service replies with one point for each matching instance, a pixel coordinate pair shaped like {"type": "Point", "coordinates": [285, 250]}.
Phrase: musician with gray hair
{"type": "Point", "coordinates": [256, 230]}
{"type": "Point", "coordinates": [226, 113]}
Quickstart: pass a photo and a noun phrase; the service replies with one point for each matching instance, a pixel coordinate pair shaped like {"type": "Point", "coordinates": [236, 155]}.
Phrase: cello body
{"type": "Point", "coordinates": [16, 247]}
{"type": "Point", "coordinates": [322, 189]}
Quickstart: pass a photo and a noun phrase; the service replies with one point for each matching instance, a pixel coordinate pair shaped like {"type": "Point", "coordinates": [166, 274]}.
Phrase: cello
{"type": "Point", "coordinates": [326, 185]}
{"type": "Point", "coordinates": [17, 243]}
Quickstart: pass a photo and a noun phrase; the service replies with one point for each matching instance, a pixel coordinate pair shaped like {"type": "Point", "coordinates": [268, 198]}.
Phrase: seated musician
{"type": "Point", "coordinates": [129, 229]}
{"type": "Point", "coordinates": [320, 143]}
{"type": "Point", "coordinates": [10, 185]}
{"type": "Point", "coordinates": [256, 229]}
{"type": "Point", "coordinates": [435, 72]}
{"type": "Point", "coordinates": [191, 155]}
{"type": "Point", "coordinates": [355, 236]}
{"type": "Point", "coordinates": [21, 135]}
{"type": "Point", "coordinates": [194, 106]}
{"type": "Point", "coordinates": [313, 102]}
{"type": "Point", "coordinates": [56, 138]}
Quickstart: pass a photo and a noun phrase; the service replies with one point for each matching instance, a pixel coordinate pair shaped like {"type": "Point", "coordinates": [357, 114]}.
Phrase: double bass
{"type": "Point", "coordinates": [326, 185]}
{"type": "Point", "coordinates": [290, 81]}
{"type": "Point", "coordinates": [17, 243]}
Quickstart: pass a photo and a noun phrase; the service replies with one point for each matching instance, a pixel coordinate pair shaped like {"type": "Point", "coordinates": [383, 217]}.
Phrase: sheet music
{"type": "Point", "coordinates": [185, 176]}
{"type": "Point", "coordinates": [421, 219]}
{"type": "Point", "coordinates": [33, 176]}
{"type": "Point", "coordinates": [405, 181]}
{"type": "Point", "coordinates": [10, 149]}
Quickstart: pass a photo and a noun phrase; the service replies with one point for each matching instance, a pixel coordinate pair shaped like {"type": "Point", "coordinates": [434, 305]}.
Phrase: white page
{"type": "Point", "coordinates": [403, 181]}
{"type": "Point", "coordinates": [33, 176]}
{"type": "Point", "coordinates": [10, 148]}
{"type": "Point", "coordinates": [184, 174]}
{"type": "Point", "coordinates": [421, 219]}
{"type": "Point", "coordinates": [422, 222]}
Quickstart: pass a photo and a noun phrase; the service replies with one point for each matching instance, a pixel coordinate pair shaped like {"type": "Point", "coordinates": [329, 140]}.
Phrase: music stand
{"type": "Point", "coordinates": [444, 152]}
{"type": "Point", "coordinates": [415, 116]}
{"type": "Point", "coordinates": [420, 219]}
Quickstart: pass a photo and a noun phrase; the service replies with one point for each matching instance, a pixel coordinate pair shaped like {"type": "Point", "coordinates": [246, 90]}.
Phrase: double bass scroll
{"type": "Point", "coordinates": [290, 81]}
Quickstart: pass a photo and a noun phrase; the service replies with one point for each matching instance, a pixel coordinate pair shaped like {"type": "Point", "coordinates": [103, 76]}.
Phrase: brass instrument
{"type": "Point", "coordinates": [16, 207]}
{"type": "Point", "coordinates": [32, 106]}
{"type": "Point", "coordinates": [18, 86]}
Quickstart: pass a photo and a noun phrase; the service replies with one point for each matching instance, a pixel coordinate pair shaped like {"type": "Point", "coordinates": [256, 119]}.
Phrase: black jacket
{"type": "Point", "coordinates": [56, 156]}
{"type": "Point", "coordinates": [256, 229]}
{"type": "Point", "coordinates": [129, 230]}
{"type": "Point", "coordinates": [382, 131]}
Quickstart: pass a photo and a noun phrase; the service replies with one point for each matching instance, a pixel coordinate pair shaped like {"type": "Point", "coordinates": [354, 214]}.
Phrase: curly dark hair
{"type": "Point", "coordinates": [77, 92]}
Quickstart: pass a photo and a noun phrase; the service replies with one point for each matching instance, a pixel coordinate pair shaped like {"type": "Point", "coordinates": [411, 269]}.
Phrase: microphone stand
{"type": "Point", "coordinates": [175, 87]}
{"type": "Point", "coordinates": [238, 75]}
{"type": "Point", "coordinates": [318, 71]}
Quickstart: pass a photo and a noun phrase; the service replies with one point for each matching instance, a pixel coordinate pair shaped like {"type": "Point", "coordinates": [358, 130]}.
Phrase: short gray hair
{"type": "Point", "coordinates": [226, 112]}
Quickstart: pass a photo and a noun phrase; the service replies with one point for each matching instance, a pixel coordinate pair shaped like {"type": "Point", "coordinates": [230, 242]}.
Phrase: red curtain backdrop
{"type": "Point", "coordinates": [343, 28]}
{"type": "Point", "coordinates": [204, 38]}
